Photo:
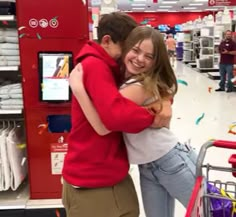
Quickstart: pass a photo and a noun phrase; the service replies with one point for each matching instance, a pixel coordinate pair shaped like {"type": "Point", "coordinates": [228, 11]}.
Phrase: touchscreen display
{"type": "Point", "coordinates": [54, 69]}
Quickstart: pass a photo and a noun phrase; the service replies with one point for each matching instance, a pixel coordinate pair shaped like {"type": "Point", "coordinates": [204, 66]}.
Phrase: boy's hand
{"type": "Point", "coordinates": [76, 78]}
{"type": "Point", "coordinates": [162, 115]}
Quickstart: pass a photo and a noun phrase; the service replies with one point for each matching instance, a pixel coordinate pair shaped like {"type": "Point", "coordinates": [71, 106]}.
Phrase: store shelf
{"type": "Point", "coordinates": [206, 70]}
{"type": "Point", "coordinates": [193, 65]}
{"type": "Point", "coordinates": [7, 17]}
{"type": "Point", "coordinates": [14, 199]}
{"type": "Point", "coordinates": [188, 61]}
{"type": "Point", "coordinates": [14, 111]}
{"type": "Point", "coordinates": [202, 47]}
{"type": "Point", "coordinates": [206, 36]}
{"type": "Point", "coordinates": [206, 55]}
{"type": "Point", "coordinates": [9, 68]}
{"type": "Point", "coordinates": [44, 204]}
{"type": "Point", "coordinates": [214, 75]}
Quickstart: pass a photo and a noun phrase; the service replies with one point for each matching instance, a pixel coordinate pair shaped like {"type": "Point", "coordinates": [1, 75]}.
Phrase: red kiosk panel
{"type": "Point", "coordinates": [53, 19]}
{"type": "Point", "coordinates": [30, 64]}
{"type": "Point", "coordinates": [47, 26]}
{"type": "Point", "coordinates": [46, 151]}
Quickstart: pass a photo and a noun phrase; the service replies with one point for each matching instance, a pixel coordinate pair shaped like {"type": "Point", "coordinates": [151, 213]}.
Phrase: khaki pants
{"type": "Point", "coordinates": [117, 201]}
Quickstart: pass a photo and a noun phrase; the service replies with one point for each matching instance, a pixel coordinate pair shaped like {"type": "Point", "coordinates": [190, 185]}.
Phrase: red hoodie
{"type": "Point", "coordinates": [100, 161]}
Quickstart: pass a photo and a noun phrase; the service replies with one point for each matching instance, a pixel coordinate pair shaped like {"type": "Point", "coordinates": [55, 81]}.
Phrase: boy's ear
{"type": "Point", "coordinates": [106, 39]}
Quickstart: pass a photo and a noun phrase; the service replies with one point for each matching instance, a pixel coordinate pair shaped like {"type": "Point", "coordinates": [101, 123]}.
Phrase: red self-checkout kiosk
{"type": "Point", "coordinates": [50, 34]}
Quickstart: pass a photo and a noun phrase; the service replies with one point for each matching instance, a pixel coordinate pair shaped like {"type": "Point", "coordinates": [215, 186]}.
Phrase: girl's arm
{"type": "Point", "coordinates": [137, 94]}
{"type": "Point", "coordinates": [77, 87]}
{"type": "Point", "coordinates": [133, 92]}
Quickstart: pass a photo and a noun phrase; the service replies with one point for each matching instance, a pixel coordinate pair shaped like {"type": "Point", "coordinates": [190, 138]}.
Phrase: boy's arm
{"type": "Point", "coordinates": [116, 112]}
{"type": "Point", "coordinates": [77, 87]}
{"type": "Point", "coordinates": [165, 111]}
{"type": "Point", "coordinates": [133, 92]}
{"type": "Point", "coordinates": [137, 94]}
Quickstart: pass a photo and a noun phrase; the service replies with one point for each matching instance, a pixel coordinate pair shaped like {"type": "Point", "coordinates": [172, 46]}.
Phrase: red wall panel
{"type": "Point", "coordinates": [168, 18]}
{"type": "Point", "coordinates": [165, 18]}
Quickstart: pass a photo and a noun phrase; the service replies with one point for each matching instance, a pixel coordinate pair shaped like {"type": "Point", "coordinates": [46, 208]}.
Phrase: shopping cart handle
{"type": "Point", "coordinates": [208, 144]}
{"type": "Point", "coordinates": [224, 144]}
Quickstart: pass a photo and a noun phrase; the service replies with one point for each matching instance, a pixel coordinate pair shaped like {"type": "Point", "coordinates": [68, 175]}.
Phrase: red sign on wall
{"type": "Point", "coordinates": [221, 2]}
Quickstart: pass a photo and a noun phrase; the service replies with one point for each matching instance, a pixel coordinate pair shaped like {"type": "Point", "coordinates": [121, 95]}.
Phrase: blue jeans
{"type": "Point", "coordinates": [166, 179]}
{"type": "Point", "coordinates": [226, 70]}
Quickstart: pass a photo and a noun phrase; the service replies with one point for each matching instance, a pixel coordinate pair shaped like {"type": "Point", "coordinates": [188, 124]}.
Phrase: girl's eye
{"type": "Point", "coordinates": [135, 50]}
{"type": "Point", "coordinates": [149, 57]}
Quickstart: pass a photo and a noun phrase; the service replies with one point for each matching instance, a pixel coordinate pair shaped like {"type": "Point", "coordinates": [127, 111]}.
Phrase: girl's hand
{"type": "Point", "coordinates": [163, 113]}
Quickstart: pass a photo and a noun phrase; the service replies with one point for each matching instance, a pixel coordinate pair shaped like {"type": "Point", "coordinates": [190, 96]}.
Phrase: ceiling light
{"type": "Point", "coordinates": [211, 9]}
{"type": "Point", "coordinates": [169, 2]}
{"type": "Point", "coordinates": [201, 0]}
{"type": "Point", "coordinates": [138, 5]}
{"type": "Point", "coordinates": [138, 8]}
{"type": "Point", "coordinates": [195, 4]}
{"type": "Point", "coordinates": [189, 8]}
{"type": "Point", "coordinates": [139, 0]}
{"type": "Point", "coordinates": [165, 6]}
{"type": "Point", "coordinates": [162, 10]}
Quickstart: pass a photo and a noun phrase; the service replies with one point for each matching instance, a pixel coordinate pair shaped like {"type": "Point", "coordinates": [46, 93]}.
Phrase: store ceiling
{"type": "Point", "coordinates": [166, 5]}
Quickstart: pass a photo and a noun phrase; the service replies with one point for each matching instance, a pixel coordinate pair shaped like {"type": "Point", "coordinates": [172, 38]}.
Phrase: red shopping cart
{"type": "Point", "coordinates": [200, 203]}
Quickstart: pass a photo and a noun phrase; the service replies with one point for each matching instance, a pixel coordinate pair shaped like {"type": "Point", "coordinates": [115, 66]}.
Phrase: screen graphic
{"type": "Point", "coordinates": [54, 71]}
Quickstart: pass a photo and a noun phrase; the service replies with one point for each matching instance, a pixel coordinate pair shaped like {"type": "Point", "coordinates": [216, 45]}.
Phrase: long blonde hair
{"type": "Point", "coordinates": [160, 80]}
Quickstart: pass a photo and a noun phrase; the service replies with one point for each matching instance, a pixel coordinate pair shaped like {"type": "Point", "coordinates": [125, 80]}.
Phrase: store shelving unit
{"type": "Point", "coordinates": [188, 56]}
{"type": "Point", "coordinates": [219, 29]}
{"type": "Point", "coordinates": [12, 201]}
{"type": "Point", "coordinates": [206, 61]}
{"type": "Point", "coordinates": [7, 18]}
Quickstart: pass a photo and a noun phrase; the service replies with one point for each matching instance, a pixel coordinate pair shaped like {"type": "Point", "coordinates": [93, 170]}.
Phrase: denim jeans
{"type": "Point", "coordinates": [226, 71]}
{"type": "Point", "coordinates": [166, 179]}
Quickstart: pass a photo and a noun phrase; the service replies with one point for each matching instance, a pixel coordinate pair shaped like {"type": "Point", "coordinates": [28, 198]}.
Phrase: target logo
{"type": "Point", "coordinates": [33, 23]}
{"type": "Point", "coordinates": [212, 2]}
{"type": "Point", "coordinates": [53, 23]}
{"type": "Point", "coordinates": [43, 23]}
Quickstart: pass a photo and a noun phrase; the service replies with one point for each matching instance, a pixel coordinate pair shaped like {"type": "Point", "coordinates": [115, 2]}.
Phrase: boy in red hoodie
{"type": "Point", "coordinates": [96, 181]}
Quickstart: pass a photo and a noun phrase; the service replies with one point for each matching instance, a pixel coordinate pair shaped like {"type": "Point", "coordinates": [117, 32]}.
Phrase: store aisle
{"type": "Point", "coordinates": [191, 102]}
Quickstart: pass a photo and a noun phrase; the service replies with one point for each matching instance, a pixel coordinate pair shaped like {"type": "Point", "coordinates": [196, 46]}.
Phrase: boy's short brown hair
{"type": "Point", "coordinates": [117, 24]}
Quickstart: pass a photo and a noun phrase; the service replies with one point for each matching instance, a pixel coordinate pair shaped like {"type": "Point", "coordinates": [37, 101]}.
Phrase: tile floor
{"type": "Point", "coordinates": [190, 103]}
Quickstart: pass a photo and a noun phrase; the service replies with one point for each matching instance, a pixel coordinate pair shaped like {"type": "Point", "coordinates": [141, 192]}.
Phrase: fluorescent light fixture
{"type": "Point", "coordinates": [165, 6]}
{"type": "Point", "coordinates": [139, 0]}
{"type": "Point", "coordinates": [201, 0]}
{"type": "Point", "coordinates": [162, 10]}
{"type": "Point", "coordinates": [169, 2]}
{"type": "Point", "coordinates": [195, 4]}
{"type": "Point", "coordinates": [138, 5]}
{"type": "Point", "coordinates": [211, 9]}
{"type": "Point", "coordinates": [189, 8]}
{"type": "Point", "coordinates": [150, 11]}
{"type": "Point", "coordinates": [138, 9]}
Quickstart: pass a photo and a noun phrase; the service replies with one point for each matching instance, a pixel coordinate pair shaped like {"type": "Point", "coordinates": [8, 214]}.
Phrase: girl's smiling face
{"type": "Point", "coordinates": [140, 58]}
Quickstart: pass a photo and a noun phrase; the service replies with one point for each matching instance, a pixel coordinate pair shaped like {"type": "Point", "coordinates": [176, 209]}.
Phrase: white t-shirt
{"type": "Point", "coordinates": [149, 144]}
